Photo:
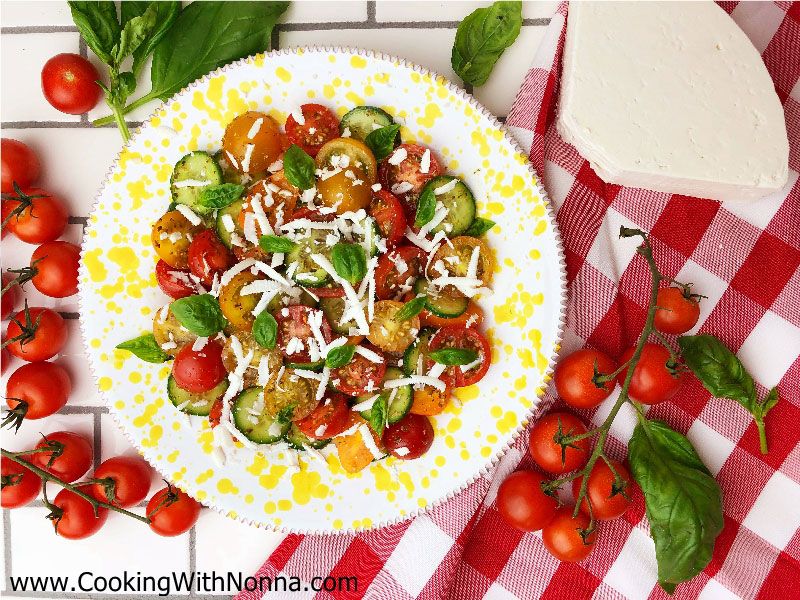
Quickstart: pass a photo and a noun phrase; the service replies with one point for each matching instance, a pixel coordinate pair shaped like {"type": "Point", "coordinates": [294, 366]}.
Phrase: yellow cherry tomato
{"type": "Point", "coordinates": [172, 235]}
{"type": "Point", "coordinates": [389, 334]}
{"type": "Point", "coordinates": [238, 308]}
{"type": "Point", "coordinates": [345, 191]}
{"type": "Point", "coordinates": [253, 147]}
{"type": "Point", "coordinates": [358, 153]}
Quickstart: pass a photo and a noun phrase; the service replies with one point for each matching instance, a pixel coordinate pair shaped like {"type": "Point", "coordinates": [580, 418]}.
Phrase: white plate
{"type": "Point", "coordinates": [119, 295]}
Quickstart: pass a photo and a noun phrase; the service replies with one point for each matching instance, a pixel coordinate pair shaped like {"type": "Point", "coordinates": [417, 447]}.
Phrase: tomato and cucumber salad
{"type": "Point", "coordinates": [322, 286]}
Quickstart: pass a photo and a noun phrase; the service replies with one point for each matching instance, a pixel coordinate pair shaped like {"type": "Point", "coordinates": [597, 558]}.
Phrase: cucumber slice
{"type": "Point", "coordinates": [401, 402]}
{"type": "Point", "coordinates": [308, 273]}
{"type": "Point", "coordinates": [233, 210]}
{"type": "Point", "coordinates": [312, 366]}
{"type": "Point", "coordinates": [198, 404]}
{"type": "Point", "coordinates": [441, 305]}
{"type": "Point", "coordinates": [362, 120]}
{"type": "Point", "coordinates": [333, 308]}
{"type": "Point", "coordinates": [413, 352]}
{"type": "Point", "coordinates": [260, 428]}
{"type": "Point", "coordinates": [460, 205]}
{"type": "Point", "coordinates": [229, 174]}
{"type": "Point", "coordinates": [194, 167]}
{"type": "Point", "coordinates": [297, 439]}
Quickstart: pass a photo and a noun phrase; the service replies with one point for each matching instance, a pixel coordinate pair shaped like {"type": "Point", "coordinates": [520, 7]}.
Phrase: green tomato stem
{"type": "Point", "coordinates": [762, 435]}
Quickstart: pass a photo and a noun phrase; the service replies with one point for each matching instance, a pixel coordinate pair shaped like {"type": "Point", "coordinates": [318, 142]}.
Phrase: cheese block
{"type": "Point", "coordinates": [673, 97]}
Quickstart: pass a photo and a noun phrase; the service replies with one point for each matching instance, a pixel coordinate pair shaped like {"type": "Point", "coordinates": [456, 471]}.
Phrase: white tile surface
{"type": "Point", "coordinates": [313, 11]}
{"type": "Point", "coordinates": [18, 13]}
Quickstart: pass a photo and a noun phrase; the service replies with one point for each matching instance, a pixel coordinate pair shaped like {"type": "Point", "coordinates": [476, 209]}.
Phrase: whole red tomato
{"type": "Point", "coordinates": [130, 477]}
{"type": "Point", "coordinates": [199, 370]}
{"type": "Point", "coordinates": [172, 512]}
{"type": "Point", "coordinates": [678, 310]}
{"type": "Point", "coordinates": [44, 387]}
{"type": "Point", "coordinates": [522, 503]}
{"type": "Point", "coordinates": [19, 164]}
{"type": "Point", "coordinates": [609, 501]}
{"type": "Point", "coordinates": [56, 264]}
{"type": "Point", "coordinates": [38, 336]}
{"type": "Point", "coordinates": [574, 378]}
{"type": "Point", "coordinates": [69, 83]}
{"type": "Point", "coordinates": [42, 218]}
{"type": "Point", "coordinates": [409, 438]}
{"type": "Point", "coordinates": [548, 453]}
{"type": "Point", "coordinates": [10, 296]}
{"type": "Point", "coordinates": [652, 380]}
{"type": "Point", "coordinates": [23, 487]}
{"type": "Point", "coordinates": [74, 460]}
{"type": "Point", "coordinates": [562, 536]}
{"type": "Point", "coordinates": [77, 520]}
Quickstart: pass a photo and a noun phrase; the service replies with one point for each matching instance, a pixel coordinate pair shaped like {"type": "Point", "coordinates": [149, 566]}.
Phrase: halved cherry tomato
{"type": "Point", "coordinates": [254, 140]}
{"type": "Point", "coordinates": [208, 256]}
{"type": "Point", "coordinates": [78, 519]}
{"type": "Point", "coordinates": [466, 339]}
{"type": "Point", "coordinates": [397, 271]}
{"type": "Point", "coordinates": [23, 484]}
{"type": "Point", "coordinates": [409, 438]}
{"type": "Point", "coordinates": [652, 381]}
{"type": "Point", "coordinates": [199, 370]}
{"type": "Point", "coordinates": [44, 220]}
{"type": "Point", "coordinates": [409, 171]}
{"type": "Point", "coordinates": [388, 213]}
{"type": "Point", "coordinates": [215, 416]}
{"type": "Point", "coordinates": [548, 453]}
{"type": "Point", "coordinates": [574, 378]}
{"type": "Point", "coordinates": [293, 324]}
{"type": "Point", "coordinates": [358, 153]}
{"type": "Point", "coordinates": [562, 537]}
{"type": "Point", "coordinates": [174, 515]}
{"type": "Point", "coordinates": [429, 401]}
{"type": "Point", "coordinates": [389, 333]}
{"type": "Point", "coordinates": [171, 237]}
{"type": "Point", "coordinates": [332, 290]}
{"type": "Point", "coordinates": [609, 501]}
{"type": "Point", "coordinates": [131, 478]}
{"type": "Point", "coordinates": [56, 265]}
{"type": "Point", "coordinates": [45, 342]}
{"type": "Point", "coordinates": [523, 504]}
{"type": "Point", "coordinates": [43, 386]}
{"type": "Point", "coordinates": [345, 191]}
{"type": "Point", "coordinates": [73, 461]}
{"type": "Point", "coordinates": [330, 418]}
{"type": "Point", "coordinates": [277, 205]}
{"type": "Point", "coordinates": [359, 376]}
{"type": "Point", "coordinates": [175, 283]}
{"type": "Point", "coordinates": [320, 125]}
{"type": "Point", "coordinates": [462, 248]}
{"type": "Point", "coordinates": [472, 317]}
{"type": "Point", "coordinates": [19, 164]}
{"type": "Point", "coordinates": [678, 310]}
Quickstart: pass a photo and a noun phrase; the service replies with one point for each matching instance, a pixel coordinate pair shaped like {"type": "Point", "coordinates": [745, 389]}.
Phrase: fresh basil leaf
{"type": "Point", "coordinates": [132, 8]}
{"type": "Point", "coordinates": [340, 356]}
{"type": "Point", "coordinates": [276, 244]}
{"type": "Point", "coordinates": [453, 356]}
{"type": "Point", "coordinates": [265, 330]}
{"type": "Point", "coordinates": [683, 501]}
{"type": "Point", "coordinates": [426, 206]}
{"type": "Point", "coordinates": [126, 84]}
{"type": "Point", "coordinates": [134, 32]}
{"type": "Point", "coordinates": [146, 348]}
{"type": "Point", "coordinates": [97, 23]}
{"type": "Point", "coordinates": [479, 226]}
{"type": "Point", "coordinates": [221, 195]}
{"type": "Point", "coordinates": [481, 39]}
{"type": "Point", "coordinates": [298, 167]}
{"type": "Point", "coordinates": [208, 35]}
{"type": "Point", "coordinates": [166, 13]}
{"type": "Point", "coordinates": [350, 261]}
{"type": "Point", "coordinates": [199, 314]}
{"type": "Point", "coordinates": [376, 415]}
{"type": "Point", "coordinates": [381, 141]}
{"type": "Point", "coordinates": [410, 309]}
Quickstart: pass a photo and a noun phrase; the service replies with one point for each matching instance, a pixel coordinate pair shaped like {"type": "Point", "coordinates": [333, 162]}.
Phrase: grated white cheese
{"type": "Point", "coordinates": [232, 159]}
{"type": "Point", "coordinates": [402, 187]}
{"type": "Point", "coordinates": [298, 116]}
{"type": "Point", "coordinates": [189, 214]}
{"type": "Point", "coordinates": [248, 153]}
{"type": "Point", "coordinates": [416, 380]}
{"type": "Point", "coordinates": [425, 161]}
{"type": "Point", "coordinates": [436, 370]}
{"type": "Point", "coordinates": [275, 166]}
{"type": "Point", "coordinates": [369, 442]}
{"type": "Point", "coordinates": [366, 404]}
{"type": "Point", "coordinates": [185, 183]}
{"type": "Point", "coordinates": [227, 223]}
{"type": "Point", "coordinates": [346, 133]}
{"type": "Point", "coordinates": [397, 156]}
{"type": "Point", "coordinates": [447, 187]}
{"type": "Point", "coordinates": [370, 355]}
{"type": "Point", "coordinates": [199, 344]}
{"type": "Point", "coordinates": [472, 268]}
{"type": "Point", "coordinates": [402, 451]}
{"type": "Point", "coordinates": [263, 370]}
{"type": "Point", "coordinates": [472, 365]}
{"type": "Point", "coordinates": [255, 128]}
{"type": "Point", "coordinates": [376, 187]}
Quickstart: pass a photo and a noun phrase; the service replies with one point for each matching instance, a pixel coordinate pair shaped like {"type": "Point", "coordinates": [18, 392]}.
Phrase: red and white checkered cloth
{"type": "Point", "coordinates": [746, 259]}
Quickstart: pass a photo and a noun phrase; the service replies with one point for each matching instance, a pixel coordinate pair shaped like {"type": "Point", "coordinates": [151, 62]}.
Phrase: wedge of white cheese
{"type": "Point", "coordinates": [673, 97]}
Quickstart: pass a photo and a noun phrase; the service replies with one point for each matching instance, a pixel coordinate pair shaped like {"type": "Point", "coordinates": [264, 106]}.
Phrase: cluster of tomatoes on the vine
{"type": "Point", "coordinates": [584, 379]}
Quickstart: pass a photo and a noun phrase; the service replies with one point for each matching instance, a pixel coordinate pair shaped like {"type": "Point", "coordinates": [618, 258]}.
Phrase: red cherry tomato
{"type": "Point", "coordinates": [215, 416]}
{"type": "Point", "coordinates": [78, 520]}
{"type": "Point", "coordinates": [44, 220]}
{"type": "Point", "coordinates": [409, 438]}
{"type": "Point", "coordinates": [388, 213]}
{"type": "Point", "coordinates": [131, 477]}
{"type": "Point", "coordinates": [465, 339]}
{"type": "Point", "coordinates": [359, 376]}
{"type": "Point", "coordinates": [175, 283]}
{"type": "Point", "coordinates": [26, 484]}
{"type": "Point", "coordinates": [208, 256]}
{"type": "Point", "coordinates": [397, 271]}
{"type": "Point", "coordinates": [320, 125]}
{"type": "Point", "coordinates": [573, 377]}
{"type": "Point", "coordinates": [293, 322]}
{"type": "Point", "coordinates": [522, 503]}
{"type": "Point", "coordinates": [43, 386]}
{"type": "Point", "coordinates": [73, 462]}
{"type": "Point", "coordinates": [608, 500]}
{"type": "Point", "coordinates": [48, 337]}
{"type": "Point", "coordinates": [331, 417]}
{"type": "Point", "coordinates": [19, 164]}
{"type": "Point", "coordinates": [10, 296]}
{"type": "Point", "coordinates": [57, 269]}
{"type": "Point", "coordinates": [678, 311]}
{"type": "Point", "coordinates": [172, 518]}
{"type": "Point", "coordinates": [548, 454]}
{"type": "Point", "coordinates": [410, 171]}
{"type": "Point", "coordinates": [562, 537]}
{"type": "Point", "coordinates": [69, 83]}
{"type": "Point", "coordinates": [329, 291]}
{"type": "Point", "coordinates": [652, 381]}
{"type": "Point", "coordinates": [199, 370]}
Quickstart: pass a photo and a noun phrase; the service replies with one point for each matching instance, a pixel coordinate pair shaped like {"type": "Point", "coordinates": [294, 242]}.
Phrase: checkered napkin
{"type": "Point", "coordinates": [746, 259]}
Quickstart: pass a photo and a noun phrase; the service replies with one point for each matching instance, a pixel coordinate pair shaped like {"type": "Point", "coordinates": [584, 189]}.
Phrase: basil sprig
{"type": "Point", "coordinates": [276, 244]}
{"type": "Point", "coordinates": [381, 141]}
{"type": "Point", "coordinates": [453, 356]}
{"type": "Point", "coordinates": [221, 195]}
{"type": "Point", "coordinates": [349, 261]}
{"type": "Point", "coordinates": [340, 356]}
{"type": "Point", "coordinates": [411, 309]}
{"type": "Point", "coordinates": [426, 206]}
{"type": "Point", "coordinates": [682, 499]}
{"type": "Point", "coordinates": [199, 314]}
{"type": "Point", "coordinates": [265, 330]}
{"type": "Point", "coordinates": [481, 39]}
{"type": "Point", "coordinates": [146, 348]}
{"type": "Point", "coordinates": [376, 415]}
{"type": "Point", "coordinates": [724, 376]}
{"type": "Point", "coordinates": [298, 167]}
{"type": "Point", "coordinates": [479, 226]}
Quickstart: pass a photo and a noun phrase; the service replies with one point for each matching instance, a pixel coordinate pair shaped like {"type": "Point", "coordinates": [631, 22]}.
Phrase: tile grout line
{"type": "Point", "coordinates": [6, 547]}
{"type": "Point", "coordinates": [84, 52]}
{"type": "Point", "coordinates": [97, 437]}
{"type": "Point", "coordinates": [371, 10]}
{"type": "Point", "coordinates": [193, 556]}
